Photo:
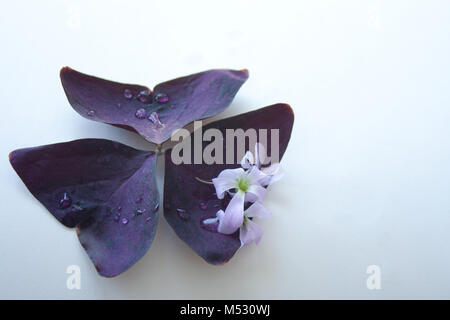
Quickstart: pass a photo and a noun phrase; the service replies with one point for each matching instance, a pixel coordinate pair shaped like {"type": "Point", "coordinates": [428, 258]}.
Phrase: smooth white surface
{"type": "Point", "coordinates": [368, 164]}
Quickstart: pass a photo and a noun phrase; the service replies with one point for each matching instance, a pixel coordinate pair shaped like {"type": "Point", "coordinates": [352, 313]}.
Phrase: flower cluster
{"type": "Point", "coordinates": [245, 185]}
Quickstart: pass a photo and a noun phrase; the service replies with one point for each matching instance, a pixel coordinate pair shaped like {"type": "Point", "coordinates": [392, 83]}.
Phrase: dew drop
{"type": "Point", "coordinates": [65, 201]}
{"type": "Point", "coordinates": [124, 221]}
{"type": "Point", "coordinates": [117, 217]}
{"type": "Point", "coordinates": [148, 219]}
{"type": "Point", "coordinates": [91, 113]}
{"type": "Point", "coordinates": [210, 224]}
{"type": "Point", "coordinates": [182, 214]}
{"type": "Point", "coordinates": [77, 208]}
{"type": "Point", "coordinates": [140, 113]}
{"type": "Point", "coordinates": [127, 94]}
{"type": "Point", "coordinates": [154, 118]}
{"type": "Point", "coordinates": [119, 208]}
{"type": "Point", "coordinates": [144, 96]}
{"type": "Point", "coordinates": [203, 206]}
{"type": "Point", "coordinates": [162, 98]}
{"type": "Point", "coordinates": [140, 211]}
{"type": "Point", "coordinates": [156, 208]}
{"type": "Point", "coordinates": [139, 200]}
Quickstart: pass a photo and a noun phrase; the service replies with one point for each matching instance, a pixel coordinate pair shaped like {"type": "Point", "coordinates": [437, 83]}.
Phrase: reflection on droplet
{"type": "Point", "coordinates": [203, 206]}
{"type": "Point", "coordinates": [210, 224]}
{"type": "Point", "coordinates": [124, 221]}
{"type": "Point", "coordinates": [156, 208]}
{"type": "Point", "coordinates": [140, 113]}
{"type": "Point", "coordinates": [91, 113]}
{"type": "Point", "coordinates": [77, 208]}
{"type": "Point", "coordinates": [144, 96]}
{"type": "Point", "coordinates": [148, 219]}
{"type": "Point", "coordinates": [140, 211]}
{"type": "Point", "coordinates": [154, 118]}
{"type": "Point", "coordinates": [182, 214]}
{"type": "Point", "coordinates": [65, 201]}
{"type": "Point", "coordinates": [127, 94]}
{"type": "Point", "coordinates": [119, 208]}
{"type": "Point", "coordinates": [161, 98]}
{"type": "Point", "coordinates": [117, 217]}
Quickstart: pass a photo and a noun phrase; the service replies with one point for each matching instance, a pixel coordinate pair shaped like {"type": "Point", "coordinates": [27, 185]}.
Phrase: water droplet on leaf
{"type": "Point", "coordinates": [161, 98]}
{"type": "Point", "coordinates": [65, 201]}
{"type": "Point", "coordinates": [124, 221]}
{"type": "Point", "coordinates": [144, 96]}
{"type": "Point", "coordinates": [140, 113]}
{"type": "Point", "coordinates": [127, 94]}
{"type": "Point", "coordinates": [91, 113]}
{"type": "Point", "coordinates": [154, 118]}
{"type": "Point", "coordinates": [182, 214]}
{"type": "Point", "coordinates": [210, 224]}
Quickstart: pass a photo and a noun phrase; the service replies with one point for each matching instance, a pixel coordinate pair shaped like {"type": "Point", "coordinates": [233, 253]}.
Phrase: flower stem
{"type": "Point", "coordinates": [203, 181]}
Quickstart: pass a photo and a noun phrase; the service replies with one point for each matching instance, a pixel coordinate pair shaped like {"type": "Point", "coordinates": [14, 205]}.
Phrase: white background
{"type": "Point", "coordinates": [368, 164]}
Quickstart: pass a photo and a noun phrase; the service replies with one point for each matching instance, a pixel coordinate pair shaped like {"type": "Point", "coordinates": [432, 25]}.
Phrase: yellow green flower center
{"type": "Point", "coordinates": [242, 184]}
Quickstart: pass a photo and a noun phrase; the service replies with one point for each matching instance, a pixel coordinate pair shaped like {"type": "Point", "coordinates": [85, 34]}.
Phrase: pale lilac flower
{"type": "Point", "coordinates": [270, 174]}
{"type": "Point", "coordinates": [244, 186]}
{"type": "Point", "coordinates": [248, 230]}
{"type": "Point", "coordinates": [240, 182]}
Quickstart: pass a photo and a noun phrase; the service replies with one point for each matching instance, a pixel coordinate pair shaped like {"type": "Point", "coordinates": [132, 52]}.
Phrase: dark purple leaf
{"type": "Point", "coordinates": [187, 202]}
{"type": "Point", "coordinates": [104, 188]}
{"type": "Point", "coordinates": [154, 115]}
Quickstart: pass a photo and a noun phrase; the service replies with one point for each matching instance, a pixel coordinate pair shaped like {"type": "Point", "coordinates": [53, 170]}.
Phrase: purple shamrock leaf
{"type": "Point", "coordinates": [103, 188]}
{"type": "Point", "coordinates": [153, 114]}
{"type": "Point", "coordinates": [191, 205]}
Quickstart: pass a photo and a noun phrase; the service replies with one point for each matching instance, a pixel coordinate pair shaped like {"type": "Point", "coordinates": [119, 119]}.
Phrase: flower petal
{"type": "Point", "coordinates": [255, 193]}
{"type": "Point", "coordinates": [226, 181]}
{"type": "Point", "coordinates": [247, 161]}
{"type": "Point", "coordinates": [273, 173]}
{"type": "Point", "coordinates": [251, 232]}
{"type": "Point", "coordinates": [257, 210]}
{"type": "Point", "coordinates": [233, 217]}
{"type": "Point", "coordinates": [255, 175]}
